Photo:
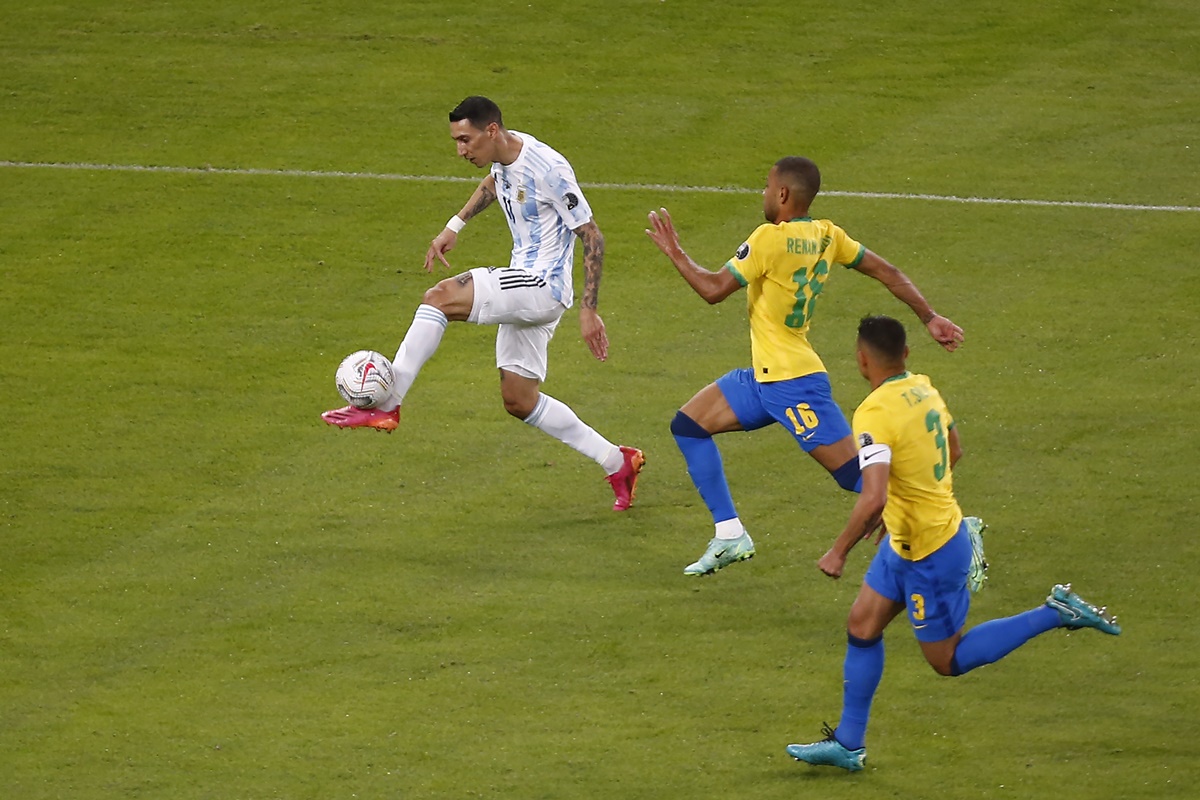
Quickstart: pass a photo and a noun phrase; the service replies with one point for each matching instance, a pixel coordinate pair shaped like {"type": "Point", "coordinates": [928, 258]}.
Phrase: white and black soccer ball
{"type": "Point", "coordinates": [364, 378]}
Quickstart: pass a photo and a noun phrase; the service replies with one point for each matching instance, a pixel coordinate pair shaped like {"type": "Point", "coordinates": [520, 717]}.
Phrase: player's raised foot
{"type": "Point", "coordinates": [624, 481]}
{"type": "Point", "coordinates": [1077, 613]}
{"type": "Point", "coordinates": [977, 572]}
{"type": "Point", "coordinates": [351, 417]}
{"type": "Point", "coordinates": [721, 553]}
{"type": "Point", "coordinates": [829, 752]}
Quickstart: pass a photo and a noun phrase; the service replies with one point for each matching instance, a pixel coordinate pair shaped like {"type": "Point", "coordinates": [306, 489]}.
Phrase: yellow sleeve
{"type": "Point", "coordinates": [871, 425]}
{"type": "Point", "coordinates": [846, 251]}
{"type": "Point", "coordinates": [748, 263]}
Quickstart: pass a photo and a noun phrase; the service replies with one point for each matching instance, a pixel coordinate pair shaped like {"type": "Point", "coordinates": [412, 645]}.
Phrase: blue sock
{"type": "Point", "coordinates": [991, 641]}
{"type": "Point", "coordinates": [860, 678]}
{"type": "Point", "coordinates": [704, 466]}
{"type": "Point", "coordinates": [849, 476]}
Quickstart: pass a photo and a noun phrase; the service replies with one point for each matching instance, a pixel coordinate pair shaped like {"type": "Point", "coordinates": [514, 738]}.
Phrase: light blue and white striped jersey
{"type": "Point", "coordinates": [543, 205]}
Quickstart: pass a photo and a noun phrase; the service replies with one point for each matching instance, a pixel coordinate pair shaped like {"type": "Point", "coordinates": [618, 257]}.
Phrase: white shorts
{"type": "Point", "coordinates": [520, 303]}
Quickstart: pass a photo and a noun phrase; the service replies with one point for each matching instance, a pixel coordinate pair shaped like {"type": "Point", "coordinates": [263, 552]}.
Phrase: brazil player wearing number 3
{"type": "Point", "coordinates": [545, 210]}
{"type": "Point", "coordinates": [783, 266]}
{"type": "Point", "coordinates": [908, 446]}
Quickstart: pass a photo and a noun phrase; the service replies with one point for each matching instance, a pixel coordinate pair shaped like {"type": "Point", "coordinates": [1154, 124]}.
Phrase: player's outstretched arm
{"type": "Point", "coordinates": [943, 331]}
{"type": "Point", "coordinates": [712, 286]}
{"type": "Point", "coordinates": [483, 196]}
{"type": "Point", "coordinates": [864, 519]}
{"type": "Point", "coordinates": [591, 326]}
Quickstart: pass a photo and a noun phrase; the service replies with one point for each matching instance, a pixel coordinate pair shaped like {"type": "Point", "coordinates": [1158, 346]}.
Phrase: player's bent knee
{"type": "Point", "coordinates": [452, 296]}
{"type": "Point", "coordinates": [685, 426]}
{"type": "Point", "coordinates": [439, 296]}
{"type": "Point", "coordinates": [946, 669]}
{"type": "Point", "coordinates": [942, 660]}
{"type": "Point", "coordinates": [519, 407]}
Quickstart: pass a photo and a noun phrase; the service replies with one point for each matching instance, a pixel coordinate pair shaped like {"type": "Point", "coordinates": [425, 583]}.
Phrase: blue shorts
{"type": "Point", "coordinates": [804, 406]}
{"type": "Point", "coordinates": [934, 589]}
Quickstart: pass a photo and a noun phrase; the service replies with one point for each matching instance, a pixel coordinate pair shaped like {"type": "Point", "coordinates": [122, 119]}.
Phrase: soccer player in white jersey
{"type": "Point", "coordinates": [546, 210]}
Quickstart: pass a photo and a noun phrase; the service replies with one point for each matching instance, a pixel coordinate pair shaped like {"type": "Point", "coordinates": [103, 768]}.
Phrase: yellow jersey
{"type": "Point", "coordinates": [909, 416]}
{"type": "Point", "coordinates": [784, 267]}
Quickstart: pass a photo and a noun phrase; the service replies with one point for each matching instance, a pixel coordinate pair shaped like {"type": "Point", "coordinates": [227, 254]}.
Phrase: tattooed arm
{"type": "Point", "coordinates": [483, 196]}
{"type": "Point", "coordinates": [590, 323]}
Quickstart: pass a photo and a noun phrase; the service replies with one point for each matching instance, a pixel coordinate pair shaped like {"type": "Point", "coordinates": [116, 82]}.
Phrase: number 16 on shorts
{"type": "Point", "coordinates": [804, 420]}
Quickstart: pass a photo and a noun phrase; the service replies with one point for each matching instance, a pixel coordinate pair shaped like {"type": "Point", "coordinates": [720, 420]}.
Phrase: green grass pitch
{"type": "Point", "coordinates": [206, 593]}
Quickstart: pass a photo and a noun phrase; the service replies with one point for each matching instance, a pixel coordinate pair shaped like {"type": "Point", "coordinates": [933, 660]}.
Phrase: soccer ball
{"type": "Point", "coordinates": [364, 378]}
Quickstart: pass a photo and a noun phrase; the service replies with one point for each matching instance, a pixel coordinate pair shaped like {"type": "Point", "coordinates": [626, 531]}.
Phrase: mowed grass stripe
{"type": "Point", "coordinates": [659, 187]}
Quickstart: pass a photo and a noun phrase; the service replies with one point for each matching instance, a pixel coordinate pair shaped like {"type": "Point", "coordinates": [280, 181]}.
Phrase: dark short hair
{"type": "Point", "coordinates": [480, 111]}
{"type": "Point", "coordinates": [801, 176]}
{"type": "Point", "coordinates": [885, 336]}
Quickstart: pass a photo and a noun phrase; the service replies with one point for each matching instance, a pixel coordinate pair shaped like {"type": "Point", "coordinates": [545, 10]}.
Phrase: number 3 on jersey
{"type": "Point", "coordinates": [933, 424]}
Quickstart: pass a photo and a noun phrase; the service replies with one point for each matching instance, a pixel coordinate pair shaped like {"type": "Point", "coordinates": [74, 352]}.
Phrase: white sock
{"type": "Point", "coordinates": [422, 340]}
{"type": "Point", "coordinates": [557, 419]}
{"type": "Point", "coordinates": [730, 529]}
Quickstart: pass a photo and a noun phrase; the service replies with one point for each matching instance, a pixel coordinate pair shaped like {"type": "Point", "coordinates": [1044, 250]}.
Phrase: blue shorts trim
{"type": "Point", "coordinates": [933, 590]}
{"type": "Point", "coordinates": [814, 418]}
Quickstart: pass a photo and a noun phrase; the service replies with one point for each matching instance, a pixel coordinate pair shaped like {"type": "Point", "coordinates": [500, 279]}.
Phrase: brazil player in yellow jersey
{"type": "Point", "coordinates": [908, 446]}
{"type": "Point", "coordinates": [784, 266]}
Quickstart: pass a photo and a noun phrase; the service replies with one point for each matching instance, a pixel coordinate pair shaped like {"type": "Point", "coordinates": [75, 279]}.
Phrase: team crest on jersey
{"type": "Point", "coordinates": [742, 251]}
{"type": "Point", "coordinates": [865, 439]}
{"type": "Point", "coordinates": [521, 195]}
{"type": "Point", "coordinates": [571, 200]}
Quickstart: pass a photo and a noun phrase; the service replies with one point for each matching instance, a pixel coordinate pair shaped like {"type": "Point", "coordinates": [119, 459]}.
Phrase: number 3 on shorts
{"type": "Point", "coordinates": [803, 418]}
{"type": "Point", "coordinates": [918, 607]}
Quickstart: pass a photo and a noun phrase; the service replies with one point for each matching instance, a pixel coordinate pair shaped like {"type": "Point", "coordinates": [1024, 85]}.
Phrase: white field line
{"type": "Point", "coordinates": [658, 187]}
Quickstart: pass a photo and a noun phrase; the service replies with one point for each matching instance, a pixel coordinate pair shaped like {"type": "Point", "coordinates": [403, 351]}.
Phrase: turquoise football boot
{"type": "Point", "coordinates": [977, 574]}
{"type": "Point", "coordinates": [721, 553]}
{"type": "Point", "coordinates": [1077, 613]}
{"type": "Point", "coordinates": [829, 752]}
